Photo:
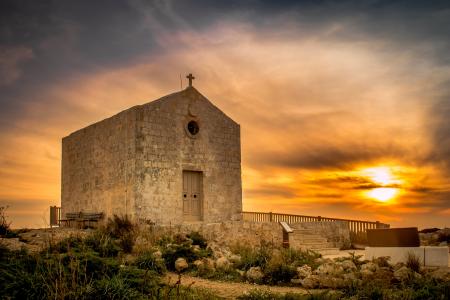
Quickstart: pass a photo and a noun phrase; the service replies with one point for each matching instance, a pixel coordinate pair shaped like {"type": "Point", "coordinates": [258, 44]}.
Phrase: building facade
{"type": "Point", "coordinates": [174, 160]}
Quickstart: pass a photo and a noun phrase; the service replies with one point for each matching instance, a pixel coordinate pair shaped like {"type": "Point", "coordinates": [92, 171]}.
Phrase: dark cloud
{"type": "Point", "coordinates": [322, 156]}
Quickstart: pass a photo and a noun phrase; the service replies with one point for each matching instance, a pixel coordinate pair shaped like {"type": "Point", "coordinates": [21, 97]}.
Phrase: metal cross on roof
{"type": "Point", "coordinates": [190, 77]}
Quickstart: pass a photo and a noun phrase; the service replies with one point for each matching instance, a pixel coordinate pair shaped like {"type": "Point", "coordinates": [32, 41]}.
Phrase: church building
{"type": "Point", "coordinates": [170, 161]}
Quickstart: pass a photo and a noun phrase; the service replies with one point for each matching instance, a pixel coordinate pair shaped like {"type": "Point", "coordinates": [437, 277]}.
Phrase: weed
{"type": "Point", "coordinates": [413, 262]}
{"type": "Point", "coordinates": [147, 261]}
{"type": "Point", "coordinates": [197, 239]}
{"type": "Point", "coordinates": [4, 224]}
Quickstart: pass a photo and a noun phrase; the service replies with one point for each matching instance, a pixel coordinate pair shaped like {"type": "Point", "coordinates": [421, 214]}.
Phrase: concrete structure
{"type": "Point", "coordinates": [429, 256]}
{"type": "Point", "coordinates": [173, 160]}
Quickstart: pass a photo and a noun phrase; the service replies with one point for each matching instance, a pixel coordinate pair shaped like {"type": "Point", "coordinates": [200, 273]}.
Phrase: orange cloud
{"type": "Point", "coordinates": [312, 111]}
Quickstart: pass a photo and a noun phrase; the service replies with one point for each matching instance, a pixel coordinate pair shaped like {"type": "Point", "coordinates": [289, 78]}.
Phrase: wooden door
{"type": "Point", "coordinates": [192, 196]}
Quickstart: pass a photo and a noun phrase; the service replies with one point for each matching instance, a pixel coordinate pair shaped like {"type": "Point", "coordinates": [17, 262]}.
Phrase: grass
{"type": "Point", "coordinates": [88, 268]}
{"type": "Point", "coordinates": [413, 262]}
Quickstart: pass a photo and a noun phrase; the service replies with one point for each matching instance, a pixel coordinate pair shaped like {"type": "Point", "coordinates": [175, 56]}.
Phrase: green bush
{"type": "Point", "coordinates": [123, 230]}
{"type": "Point", "coordinates": [278, 271]}
{"type": "Point", "coordinates": [147, 261]}
{"type": "Point", "coordinates": [103, 244]}
{"type": "Point", "coordinates": [260, 294]}
{"type": "Point", "coordinates": [198, 239]}
{"type": "Point", "coordinates": [171, 252]}
{"type": "Point", "coordinates": [80, 272]}
{"type": "Point", "coordinates": [252, 257]}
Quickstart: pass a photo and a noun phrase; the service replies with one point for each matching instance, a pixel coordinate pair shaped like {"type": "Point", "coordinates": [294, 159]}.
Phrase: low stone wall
{"type": "Point", "coordinates": [229, 232]}
{"type": "Point", "coordinates": [337, 233]}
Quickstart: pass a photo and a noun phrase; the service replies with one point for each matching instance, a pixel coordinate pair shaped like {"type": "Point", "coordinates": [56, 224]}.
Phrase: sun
{"type": "Point", "coordinates": [386, 181]}
{"type": "Point", "coordinates": [383, 194]}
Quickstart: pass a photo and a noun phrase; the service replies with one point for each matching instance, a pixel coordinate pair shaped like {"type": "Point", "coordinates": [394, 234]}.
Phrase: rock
{"type": "Point", "coordinates": [441, 274]}
{"type": "Point", "coordinates": [404, 273]}
{"type": "Point", "coordinates": [348, 265]}
{"type": "Point", "coordinates": [311, 282]}
{"type": "Point", "coordinates": [242, 273]}
{"type": "Point", "coordinates": [296, 281]}
{"type": "Point", "coordinates": [181, 264]}
{"type": "Point", "coordinates": [331, 282]}
{"type": "Point", "coordinates": [349, 277]}
{"type": "Point", "coordinates": [157, 254]}
{"type": "Point", "coordinates": [198, 263]}
{"type": "Point", "coordinates": [235, 259]}
{"type": "Point", "coordinates": [196, 248]}
{"type": "Point", "coordinates": [209, 263]}
{"type": "Point", "coordinates": [254, 274]}
{"type": "Point", "coordinates": [222, 263]}
{"type": "Point", "coordinates": [329, 269]}
{"type": "Point", "coordinates": [370, 266]}
{"type": "Point", "coordinates": [366, 273]}
{"type": "Point", "coordinates": [398, 266]}
{"type": "Point", "coordinates": [303, 271]}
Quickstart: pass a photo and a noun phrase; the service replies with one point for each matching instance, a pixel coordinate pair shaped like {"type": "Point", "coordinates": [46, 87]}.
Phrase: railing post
{"type": "Point", "coordinates": [270, 217]}
{"type": "Point", "coordinates": [319, 218]}
{"type": "Point", "coordinates": [378, 224]}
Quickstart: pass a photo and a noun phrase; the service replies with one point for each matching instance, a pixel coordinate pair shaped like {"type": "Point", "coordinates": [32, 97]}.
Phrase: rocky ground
{"type": "Point", "coordinates": [435, 237]}
{"type": "Point", "coordinates": [230, 272]}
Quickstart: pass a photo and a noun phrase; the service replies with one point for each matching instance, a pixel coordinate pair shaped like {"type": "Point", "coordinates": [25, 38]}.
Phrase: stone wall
{"type": "Point", "coordinates": [230, 232]}
{"type": "Point", "coordinates": [337, 233]}
{"type": "Point", "coordinates": [98, 163]}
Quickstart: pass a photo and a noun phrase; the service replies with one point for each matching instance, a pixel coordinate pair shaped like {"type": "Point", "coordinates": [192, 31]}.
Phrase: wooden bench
{"type": "Point", "coordinates": [70, 217]}
{"type": "Point", "coordinates": [88, 218]}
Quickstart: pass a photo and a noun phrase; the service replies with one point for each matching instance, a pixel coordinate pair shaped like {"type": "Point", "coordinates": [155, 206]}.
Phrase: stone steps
{"type": "Point", "coordinates": [307, 239]}
{"type": "Point", "coordinates": [327, 251]}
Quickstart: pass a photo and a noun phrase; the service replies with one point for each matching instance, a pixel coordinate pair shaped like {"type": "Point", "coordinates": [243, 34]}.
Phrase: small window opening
{"type": "Point", "coordinates": [193, 127]}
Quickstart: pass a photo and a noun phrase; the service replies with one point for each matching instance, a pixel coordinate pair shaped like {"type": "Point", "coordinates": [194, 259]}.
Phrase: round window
{"type": "Point", "coordinates": [192, 127]}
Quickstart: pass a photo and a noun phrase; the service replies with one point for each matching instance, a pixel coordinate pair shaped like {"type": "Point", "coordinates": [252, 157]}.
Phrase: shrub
{"type": "Point", "coordinates": [114, 288]}
{"type": "Point", "coordinates": [103, 244]}
{"type": "Point", "coordinates": [413, 262]}
{"type": "Point", "coordinates": [278, 271]}
{"type": "Point", "coordinates": [171, 252]}
{"type": "Point", "coordinates": [4, 224]}
{"type": "Point", "coordinates": [147, 261]}
{"type": "Point", "coordinates": [382, 261]}
{"type": "Point", "coordinates": [300, 257]}
{"type": "Point", "coordinates": [123, 230]}
{"type": "Point", "coordinates": [260, 294]}
{"type": "Point", "coordinates": [197, 239]}
{"type": "Point", "coordinates": [252, 257]}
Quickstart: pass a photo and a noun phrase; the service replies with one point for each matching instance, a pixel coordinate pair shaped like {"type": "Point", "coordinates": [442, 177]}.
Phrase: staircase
{"type": "Point", "coordinates": [306, 239]}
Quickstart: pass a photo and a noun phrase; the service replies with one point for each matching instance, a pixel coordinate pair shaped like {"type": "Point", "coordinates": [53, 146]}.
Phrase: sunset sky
{"type": "Point", "coordinates": [344, 106]}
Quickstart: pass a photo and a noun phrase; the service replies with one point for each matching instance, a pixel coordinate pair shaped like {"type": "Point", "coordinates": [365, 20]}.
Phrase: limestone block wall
{"type": "Point", "coordinates": [98, 167]}
{"type": "Point", "coordinates": [230, 232]}
{"type": "Point", "coordinates": [164, 149]}
{"type": "Point", "coordinates": [337, 233]}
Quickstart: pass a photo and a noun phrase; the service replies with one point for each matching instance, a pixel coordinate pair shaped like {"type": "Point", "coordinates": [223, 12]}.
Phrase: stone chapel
{"type": "Point", "coordinates": [170, 161]}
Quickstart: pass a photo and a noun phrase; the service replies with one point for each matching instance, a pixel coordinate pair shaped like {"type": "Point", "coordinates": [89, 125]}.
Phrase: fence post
{"type": "Point", "coordinates": [270, 216]}
{"type": "Point", "coordinates": [319, 218]}
{"type": "Point", "coordinates": [378, 224]}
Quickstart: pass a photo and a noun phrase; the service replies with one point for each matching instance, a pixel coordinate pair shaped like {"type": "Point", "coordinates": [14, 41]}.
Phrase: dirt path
{"type": "Point", "coordinates": [226, 289]}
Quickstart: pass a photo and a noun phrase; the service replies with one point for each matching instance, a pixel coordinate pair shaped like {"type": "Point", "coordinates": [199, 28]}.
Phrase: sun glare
{"type": "Point", "coordinates": [380, 175]}
{"type": "Point", "coordinates": [387, 183]}
{"type": "Point", "coordinates": [383, 194]}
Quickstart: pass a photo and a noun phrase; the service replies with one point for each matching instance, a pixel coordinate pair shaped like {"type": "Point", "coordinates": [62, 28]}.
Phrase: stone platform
{"type": "Point", "coordinates": [428, 255]}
